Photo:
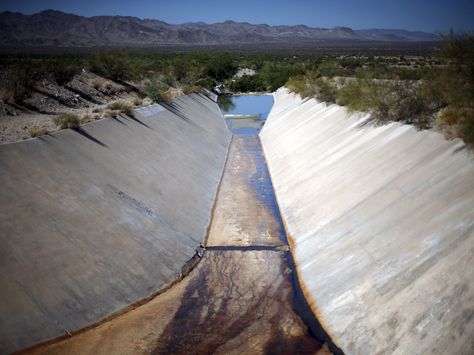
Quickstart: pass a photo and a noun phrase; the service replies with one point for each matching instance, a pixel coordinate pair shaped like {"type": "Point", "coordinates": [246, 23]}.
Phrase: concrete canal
{"type": "Point", "coordinates": [242, 297]}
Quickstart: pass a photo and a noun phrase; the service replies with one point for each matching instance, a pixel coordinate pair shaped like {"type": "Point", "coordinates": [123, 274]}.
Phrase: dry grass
{"type": "Point", "coordinates": [38, 132]}
{"type": "Point", "coordinates": [67, 120]}
{"type": "Point", "coordinates": [108, 85]}
{"type": "Point", "coordinates": [86, 118]}
{"type": "Point", "coordinates": [137, 101]}
{"type": "Point", "coordinates": [121, 107]}
{"type": "Point", "coordinates": [97, 83]}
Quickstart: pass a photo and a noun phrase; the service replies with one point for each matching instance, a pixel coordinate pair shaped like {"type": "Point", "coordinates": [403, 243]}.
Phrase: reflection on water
{"type": "Point", "coordinates": [245, 115]}
{"type": "Point", "coordinates": [226, 103]}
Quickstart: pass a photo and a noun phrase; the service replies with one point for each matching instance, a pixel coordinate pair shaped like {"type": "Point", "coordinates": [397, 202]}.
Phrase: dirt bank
{"type": "Point", "coordinates": [86, 95]}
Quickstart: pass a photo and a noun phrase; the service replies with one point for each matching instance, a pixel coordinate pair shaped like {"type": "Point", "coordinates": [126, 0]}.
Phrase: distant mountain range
{"type": "Point", "coordinates": [52, 28]}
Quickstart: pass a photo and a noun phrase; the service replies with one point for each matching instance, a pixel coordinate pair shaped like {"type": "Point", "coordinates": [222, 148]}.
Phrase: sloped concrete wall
{"type": "Point", "coordinates": [94, 220]}
{"type": "Point", "coordinates": [381, 221]}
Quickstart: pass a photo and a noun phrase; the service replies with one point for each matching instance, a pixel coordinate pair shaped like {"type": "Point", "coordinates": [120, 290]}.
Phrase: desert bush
{"type": "Point", "coordinates": [305, 85]}
{"type": "Point", "coordinates": [331, 68]}
{"type": "Point", "coordinates": [221, 67]}
{"type": "Point", "coordinates": [16, 83]}
{"type": "Point", "coordinates": [191, 89]}
{"type": "Point", "coordinates": [391, 100]}
{"type": "Point", "coordinates": [63, 73]}
{"type": "Point", "coordinates": [121, 107]}
{"type": "Point", "coordinates": [113, 65]}
{"type": "Point", "coordinates": [458, 85]}
{"type": "Point", "coordinates": [111, 113]}
{"type": "Point", "coordinates": [297, 84]}
{"type": "Point", "coordinates": [325, 90]}
{"type": "Point", "coordinates": [247, 83]}
{"type": "Point", "coordinates": [274, 76]}
{"type": "Point", "coordinates": [97, 83]}
{"type": "Point", "coordinates": [67, 120]}
{"type": "Point", "coordinates": [86, 118]}
{"type": "Point", "coordinates": [157, 92]}
{"type": "Point", "coordinates": [458, 122]}
{"type": "Point", "coordinates": [109, 85]}
{"type": "Point", "coordinates": [137, 101]}
{"type": "Point", "coordinates": [37, 132]}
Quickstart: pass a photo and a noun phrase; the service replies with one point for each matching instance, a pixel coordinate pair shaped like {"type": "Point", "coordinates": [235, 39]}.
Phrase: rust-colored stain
{"type": "Point", "coordinates": [238, 302]}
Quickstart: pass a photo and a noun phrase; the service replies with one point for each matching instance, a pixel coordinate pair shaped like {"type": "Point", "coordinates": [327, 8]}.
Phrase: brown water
{"type": "Point", "coordinates": [241, 298]}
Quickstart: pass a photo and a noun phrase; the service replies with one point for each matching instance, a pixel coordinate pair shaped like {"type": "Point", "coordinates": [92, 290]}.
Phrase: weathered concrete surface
{"type": "Point", "coordinates": [94, 220]}
{"type": "Point", "coordinates": [233, 302]}
{"type": "Point", "coordinates": [246, 212]}
{"type": "Point", "coordinates": [236, 301]}
{"type": "Point", "coordinates": [381, 221]}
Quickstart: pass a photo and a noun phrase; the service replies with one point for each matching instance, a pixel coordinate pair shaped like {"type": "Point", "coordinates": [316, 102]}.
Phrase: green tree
{"type": "Point", "coordinates": [221, 67]}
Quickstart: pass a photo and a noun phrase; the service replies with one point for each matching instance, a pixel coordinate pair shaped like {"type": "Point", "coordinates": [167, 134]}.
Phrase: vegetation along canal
{"type": "Point", "coordinates": [243, 296]}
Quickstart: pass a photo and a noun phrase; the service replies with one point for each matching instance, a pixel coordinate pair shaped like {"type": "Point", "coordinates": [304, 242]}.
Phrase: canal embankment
{"type": "Point", "coordinates": [380, 221]}
{"type": "Point", "coordinates": [96, 219]}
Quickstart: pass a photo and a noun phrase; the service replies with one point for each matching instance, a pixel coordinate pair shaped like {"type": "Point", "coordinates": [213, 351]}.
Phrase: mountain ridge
{"type": "Point", "coordinates": [60, 29]}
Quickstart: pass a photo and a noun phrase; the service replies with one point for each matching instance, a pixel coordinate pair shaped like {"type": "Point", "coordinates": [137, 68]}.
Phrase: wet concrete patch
{"type": "Point", "coordinates": [238, 302]}
{"type": "Point", "coordinates": [246, 212]}
{"type": "Point", "coordinates": [233, 302]}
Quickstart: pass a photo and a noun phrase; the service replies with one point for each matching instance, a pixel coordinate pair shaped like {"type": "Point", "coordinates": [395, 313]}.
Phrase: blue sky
{"type": "Point", "coordinates": [425, 15]}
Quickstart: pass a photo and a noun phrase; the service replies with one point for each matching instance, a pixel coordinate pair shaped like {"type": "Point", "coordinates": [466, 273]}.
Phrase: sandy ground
{"type": "Point", "coordinates": [16, 128]}
{"type": "Point", "coordinates": [86, 95]}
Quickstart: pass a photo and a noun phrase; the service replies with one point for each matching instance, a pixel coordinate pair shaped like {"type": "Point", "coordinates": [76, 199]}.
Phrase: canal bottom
{"type": "Point", "coordinates": [241, 298]}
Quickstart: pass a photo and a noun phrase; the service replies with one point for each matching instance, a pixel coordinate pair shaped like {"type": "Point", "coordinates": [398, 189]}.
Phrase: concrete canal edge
{"type": "Point", "coordinates": [380, 222]}
{"type": "Point", "coordinates": [105, 217]}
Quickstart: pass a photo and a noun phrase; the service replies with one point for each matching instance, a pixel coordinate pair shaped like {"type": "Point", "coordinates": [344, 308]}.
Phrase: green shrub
{"type": "Point", "coordinates": [221, 67]}
{"type": "Point", "coordinates": [326, 90]}
{"type": "Point", "coordinates": [248, 83]}
{"type": "Point", "coordinates": [274, 76]}
{"type": "Point", "coordinates": [67, 120]}
{"type": "Point", "coordinates": [391, 100]}
{"type": "Point", "coordinates": [297, 84]}
{"type": "Point", "coordinates": [113, 65]}
{"type": "Point", "coordinates": [354, 95]}
{"type": "Point", "coordinates": [157, 92]}
{"type": "Point", "coordinates": [305, 85]}
{"type": "Point", "coordinates": [331, 68]}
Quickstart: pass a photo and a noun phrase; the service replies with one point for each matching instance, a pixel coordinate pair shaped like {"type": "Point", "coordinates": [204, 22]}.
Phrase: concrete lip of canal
{"type": "Point", "coordinates": [242, 297]}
